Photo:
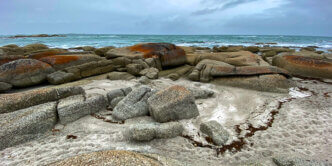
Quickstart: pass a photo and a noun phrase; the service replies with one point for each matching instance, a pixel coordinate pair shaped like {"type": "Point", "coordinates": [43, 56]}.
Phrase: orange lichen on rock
{"type": "Point", "coordinates": [4, 60]}
{"type": "Point", "coordinates": [59, 59]}
{"type": "Point", "coordinates": [42, 54]}
{"type": "Point", "coordinates": [169, 54]}
{"type": "Point", "coordinates": [306, 61]}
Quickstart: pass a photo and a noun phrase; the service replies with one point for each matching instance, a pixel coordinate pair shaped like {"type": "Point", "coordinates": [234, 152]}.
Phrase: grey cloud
{"type": "Point", "coordinates": [224, 5]}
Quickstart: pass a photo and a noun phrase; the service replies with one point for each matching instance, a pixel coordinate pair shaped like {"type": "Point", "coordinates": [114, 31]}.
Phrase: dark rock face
{"type": "Point", "coordinates": [24, 72]}
{"type": "Point", "coordinates": [23, 125]}
{"type": "Point", "coordinates": [304, 66]}
{"type": "Point", "coordinates": [174, 103]}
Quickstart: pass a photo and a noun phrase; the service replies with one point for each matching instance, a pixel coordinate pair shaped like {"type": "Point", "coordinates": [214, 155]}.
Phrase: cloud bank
{"type": "Point", "coordinates": [259, 17]}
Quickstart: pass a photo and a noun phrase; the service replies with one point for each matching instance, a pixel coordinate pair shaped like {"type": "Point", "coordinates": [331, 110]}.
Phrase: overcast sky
{"type": "Point", "coordinates": [259, 17]}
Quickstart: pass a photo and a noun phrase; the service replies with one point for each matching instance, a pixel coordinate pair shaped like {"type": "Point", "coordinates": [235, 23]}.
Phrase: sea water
{"type": "Point", "coordinates": [101, 40]}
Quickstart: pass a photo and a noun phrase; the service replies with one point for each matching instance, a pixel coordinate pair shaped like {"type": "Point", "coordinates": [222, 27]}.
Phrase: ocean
{"type": "Point", "coordinates": [101, 40]}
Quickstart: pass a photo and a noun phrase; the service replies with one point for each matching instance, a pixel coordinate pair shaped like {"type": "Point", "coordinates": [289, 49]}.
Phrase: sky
{"type": "Point", "coordinates": [180, 17]}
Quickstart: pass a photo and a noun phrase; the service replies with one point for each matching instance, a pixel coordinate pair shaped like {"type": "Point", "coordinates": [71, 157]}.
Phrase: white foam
{"type": "Point", "coordinates": [296, 93]}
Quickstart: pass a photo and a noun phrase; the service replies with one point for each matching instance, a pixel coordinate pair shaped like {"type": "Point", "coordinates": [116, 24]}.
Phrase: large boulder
{"type": "Point", "coordinates": [207, 69]}
{"type": "Point", "coordinates": [215, 131]}
{"type": "Point", "coordinates": [168, 54]}
{"type": "Point", "coordinates": [12, 50]}
{"type": "Point", "coordinates": [227, 48]}
{"type": "Point", "coordinates": [305, 53]}
{"type": "Point", "coordinates": [34, 47]}
{"type": "Point", "coordinates": [148, 132]}
{"type": "Point", "coordinates": [241, 58]}
{"type": "Point", "coordinates": [151, 73]}
{"type": "Point", "coordinates": [23, 125]}
{"type": "Point", "coordinates": [15, 101]}
{"type": "Point", "coordinates": [90, 68]}
{"type": "Point", "coordinates": [74, 107]}
{"type": "Point", "coordinates": [118, 93]}
{"type": "Point", "coordinates": [25, 72]}
{"type": "Point", "coordinates": [176, 73]}
{"type": "Point", "coordinates": [60, 77]}
{"type": "Point", "coordinates": [45, 52]}
{"type": "Point", "coordinates": [304, 66]}
{"type": "Point", "coordinates": [8, 58]}
{"type": "Point", "coordinates": [60, 62]}
{"type": "Point", "coordinates": [173, 103]}
{"type": "Point", "coordinates": [269, 83]}
{"type": "Point", "coordinates": [102, 51]}
{"type": "Point", "coordinates": [133, 105]}
{"type": "Point", "coordinates": [276, 49]}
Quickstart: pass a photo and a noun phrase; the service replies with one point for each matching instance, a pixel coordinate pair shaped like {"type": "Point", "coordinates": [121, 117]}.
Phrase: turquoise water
{"type": "Point", "coordinates": [101, 40]}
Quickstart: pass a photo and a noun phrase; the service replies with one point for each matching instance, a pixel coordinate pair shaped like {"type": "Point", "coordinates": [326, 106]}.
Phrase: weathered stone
{"type": "Point", "coordinates": [121, 61]}
{"type": "Point", "coordinates": [173, 103]}
{"type": "Point", "coordinates": [169, 130]}
{"type": "Point", "coordinates": [154, 62]}
{"type": "Point", "coordinates": [115, 158]}
{"type": "Point", "coordinates": [151, 73]}
{"type": "Point", "coordinates": [115, 102]}
{"type": "Point", "coordinates": [141, 62]}
{"type": "Point", "coordinates": [168, 54]}
{"type": "Point", "coordinates": [60, 77]}
{"type": "Point", "coordinates": [118, 93]}
{"type": "Point", "coordinates": [207, 69]}
{"type": "Point", "coordinates": [24, 72]}
{"type": "Point", "coordinates": [313, 49]}
{"type": "Point", "coordinates": [276, 49]}
{"type": "Point", "coordinates": [44, 53]}
{"type": "Point", "coordinates": [295, 161]}
{"type": "Point", "coordinates": [60, 62]}
{"type": "Point", "coordinates": [241, 58]}
{"type": "Point", "coordinates": [12, 50]}
{"type": "Point", "coordinates": [5, 86]}
{"type": "Point", "coordinates": [304, 66]}
{"type": "Point", "coordinates": [134, 69]}
{"type": "Point", "coordinates": [120, 76]}
{"type": "Point", "coordinates": [21, 100]}
{"type": "Point", "coordinates": [150, 131]}
{"type": "Point", "coordinates": [143, 132]}
{"type": "Point", "coordinates": [2, 53]}
{"type": "Point", "coordinates": [133, 105]}
{"type": "Point", "coordinates": [144, 80]}
{"type": "Point", "coordinates": [34, 47]}
{"type": "Point", "coordinates": [269, 83]}
{"type": "Point", "coordinates": [102, 51]}
{"type": "Point", "coordinates": [23, 125]}
{"type": "Point", "coordinates": [200, 93]}
{"type": "Point", "coordinates": [215, 131]}
{"type": "Point", "coordinates": [74, 107]}
{"type": "Point", "coordinates": [176, 73]}
{"type": "Point", "coordinates": [253, 49]}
